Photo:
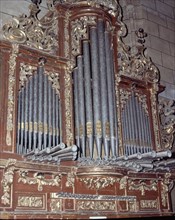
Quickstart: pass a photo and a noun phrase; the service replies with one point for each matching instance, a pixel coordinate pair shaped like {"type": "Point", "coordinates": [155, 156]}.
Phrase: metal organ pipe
{"type": "Point", "coordinates": [96, 89]}
{"type": "Point", "coordinates": [39, 115]}
{"type": "Point", "coordinates": [81, 104]}
{"type": "Point", "coordinates": [88, 98]}
{"type": "Point", "coordinates": [97, 92]}
{"type": "Point", "coordinates": [103, 87]}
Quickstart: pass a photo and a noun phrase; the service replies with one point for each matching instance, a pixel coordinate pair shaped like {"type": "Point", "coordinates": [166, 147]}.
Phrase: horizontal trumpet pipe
{"type": "Point", "coordinates": [167, 153]}
{"type": "Point", "coordinates": [66, 150]}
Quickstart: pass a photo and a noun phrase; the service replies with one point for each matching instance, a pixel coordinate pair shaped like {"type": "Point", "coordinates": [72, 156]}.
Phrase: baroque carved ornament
{"type": "Point", "coordinates": [32, 31]}
{"type": "Point", "coordinates": [38, 178]}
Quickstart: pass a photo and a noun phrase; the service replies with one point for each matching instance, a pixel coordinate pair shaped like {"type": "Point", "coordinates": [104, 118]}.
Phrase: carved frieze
{"type": "Point", "coordinates": [39, 179]}
{"type": "Point", "coordinates": [96, 205]}
{"type": "Point", "coordinates": [98, 182]}
{"type": "Point", "coordinates": [31, 201]}
{"type": "Point", "coordinates": [149, 204]}
{"type": "Point", "coordinates": [7, 182]}
{"type": "Point", "coordinates": [142, 185]}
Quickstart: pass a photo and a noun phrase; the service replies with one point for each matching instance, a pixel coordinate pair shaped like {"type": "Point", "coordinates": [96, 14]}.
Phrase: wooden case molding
{"type": "Point", "coordinates": [126, 186]}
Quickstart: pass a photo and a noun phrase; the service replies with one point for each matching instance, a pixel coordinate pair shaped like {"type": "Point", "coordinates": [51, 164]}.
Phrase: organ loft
{"type": "Point", "coordinates": [83, 132]}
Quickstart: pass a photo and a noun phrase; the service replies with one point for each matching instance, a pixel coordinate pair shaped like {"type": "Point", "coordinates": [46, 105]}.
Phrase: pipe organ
{"type": "Point", "coordinates": [82, 131]}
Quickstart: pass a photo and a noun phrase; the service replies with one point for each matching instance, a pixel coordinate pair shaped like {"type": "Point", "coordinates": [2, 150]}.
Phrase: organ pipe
{"type": "Point", "coordinates": [96, 89]}
{"type": "Point", "coordinates": [39, 115]}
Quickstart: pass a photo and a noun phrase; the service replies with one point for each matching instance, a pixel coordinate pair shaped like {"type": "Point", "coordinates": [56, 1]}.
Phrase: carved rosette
{"type": "Point", "coordinates": [11, 85]}
{"type": "Point", "coordinates": [39, 179]}
{"type": "Point", "coordinates": [98, 182]}
{"type": "Point", "coordinates": [7, 182]}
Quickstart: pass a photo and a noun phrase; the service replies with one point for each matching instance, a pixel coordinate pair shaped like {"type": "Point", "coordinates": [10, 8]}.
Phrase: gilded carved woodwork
{"type": "Point", "coordinates": [7, 182]}
{"type": "Point", "coordinates": [68, 101]}
{"type": "Point", "coordinates": [142, 186]}
{"type": "Point", "coordinates": [149, 204]}
{"type": "Point", "coordinates": [55, 203]}
{"type": "Point", "coordinates": [70, 179]}
{"type": "Point", "coordinates": [166, 186]}
{"type": "Point", "coordinates": [96, 205]}
{"type": "Point", "coordinates": [32, 31]}
{"type": "Point", "coordinates": [31, 201]}
{"type": "Point", "coordinates": [39, 179]}
{"type": "Point", "coordinates": [167, 122]}
{"type": "Point", "coordinates": [11, 85]}
{"type": "Point", "coordinates": [123, 182]}
{"type": "Point", "coordinates": [79, 32]}
{"type": "Point", "coordinates": [98, 182]}
{"type": "Point", "coordinates": [66, 34]}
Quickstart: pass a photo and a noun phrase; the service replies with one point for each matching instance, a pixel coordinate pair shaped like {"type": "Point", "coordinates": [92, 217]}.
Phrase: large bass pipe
{"type": "Point", "coordinates": [74, 148]}
{"type": "Point", "coordinates": [96, 89]}
{"type": "Point", "coordinates": [103, 87]}
{"type": "Point", "coordinates": [88, 98]}
{"type": "Point", "coordinates": [57, 121]}
{"type": "Point", "coordinates": [26, 115]}
{"type": "Point", "coordinates": [53, 117]}
{"type": "Point", "coordinates": [81, 104]}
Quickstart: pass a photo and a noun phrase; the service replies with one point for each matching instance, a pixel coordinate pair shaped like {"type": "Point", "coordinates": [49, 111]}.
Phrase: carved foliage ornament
{"type": "Point", "coordinates": [39, 178]}
{"type": "Point", "coordinates": [167, 122]}
{"type": "Point", "coordinates": [98, 182]}
{"type": "Point", "coordinates": [96, 205]}
{"type": "Point", "coordinates": [142, 186]}
{"type": "Point", "coordinates": [30, 201]}
{"type": "Point", "coordinates": [7, 181]}
{"type": "Point", "coordinates": [11, 84]}
{"type": "Point", "coordinates": [35, 32]}
{"type": "Point", "coordinates": [137, 65]}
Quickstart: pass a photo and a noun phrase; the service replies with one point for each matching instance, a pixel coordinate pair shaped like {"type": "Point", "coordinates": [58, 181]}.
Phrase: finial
{"type": "Point", "coordinates": [141, 34]}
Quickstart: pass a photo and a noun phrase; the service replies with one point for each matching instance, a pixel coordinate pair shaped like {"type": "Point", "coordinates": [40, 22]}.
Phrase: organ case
{"type": "Point", "coordinates": [82, 125]}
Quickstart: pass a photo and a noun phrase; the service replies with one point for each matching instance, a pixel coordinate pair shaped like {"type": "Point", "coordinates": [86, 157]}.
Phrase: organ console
{"type": "Point", "coordinates": [81, 121]}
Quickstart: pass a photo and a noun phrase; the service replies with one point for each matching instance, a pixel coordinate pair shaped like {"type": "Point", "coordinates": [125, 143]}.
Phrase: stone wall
{"type": "Point", "coordinates": [157, 18]}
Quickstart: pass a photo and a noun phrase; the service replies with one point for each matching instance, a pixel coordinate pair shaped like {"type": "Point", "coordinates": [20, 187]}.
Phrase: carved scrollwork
{"type": "Point", "coordinates": [35, 32]}
{"type": "Point", "coordinates": [7, 181]}
{"type": "Point", "coordinates": [142, 186]}
{"type": "Point", "coordinates": [79, 31]}
{"type": "Point", "coordinates": [149, 204]}
{"type": "Point", "coordinates": [136, 64]}
{"type": "Point", "coordinates": [98, 182]}
{"type": "Point", "coordinates": [167, 122]}
{"type": "Point", "coordinates": [38, 178]}
{"type": "Point", "coordinates": [70, 179]}
{"type": "Point", "coordinates": [96, 205]}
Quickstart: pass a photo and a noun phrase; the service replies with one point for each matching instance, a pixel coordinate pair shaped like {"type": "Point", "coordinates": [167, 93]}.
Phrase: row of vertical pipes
{"type": "Point", "coordinates": [136, 127]}
{"type": "Point", "coordinates": [39, 114]}
{"type": "Point", "coordinates": [94, 97]}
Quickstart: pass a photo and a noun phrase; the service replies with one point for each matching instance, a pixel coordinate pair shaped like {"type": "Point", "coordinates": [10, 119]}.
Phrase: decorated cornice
{"type": "Point", "coordinates": [32, 31]}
